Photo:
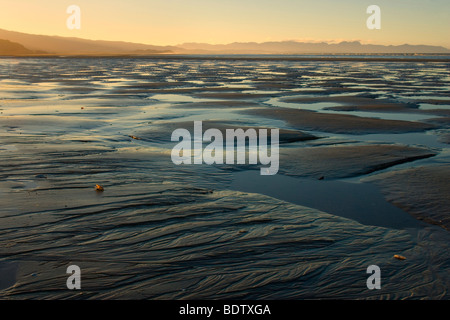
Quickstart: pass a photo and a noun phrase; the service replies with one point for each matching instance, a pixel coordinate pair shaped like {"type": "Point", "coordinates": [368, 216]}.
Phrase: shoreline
{"type": "Point", "coordinates": [251, 57]}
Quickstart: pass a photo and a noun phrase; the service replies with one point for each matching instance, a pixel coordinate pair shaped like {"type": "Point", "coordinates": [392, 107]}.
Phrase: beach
{"type": "Point", "coordinates": [364, 171]}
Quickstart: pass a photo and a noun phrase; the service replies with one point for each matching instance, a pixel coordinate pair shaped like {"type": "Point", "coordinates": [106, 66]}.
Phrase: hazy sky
{"type": "Point", "coordinates": [170, 22]}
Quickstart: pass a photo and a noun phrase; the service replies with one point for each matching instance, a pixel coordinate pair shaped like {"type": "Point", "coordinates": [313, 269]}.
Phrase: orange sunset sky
{"type": "Point", "coordinates": [171, 22]}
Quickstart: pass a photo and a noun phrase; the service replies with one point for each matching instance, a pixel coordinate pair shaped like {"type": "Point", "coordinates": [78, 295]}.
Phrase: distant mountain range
{"type": "Point", "coordinates": [17, 43]}
{"type": "Point", "coordinates": [295, 47]}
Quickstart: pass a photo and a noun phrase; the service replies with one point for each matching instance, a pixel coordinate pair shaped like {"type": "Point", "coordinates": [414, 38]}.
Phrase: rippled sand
{"type": "Point", "coordinates": [160, 231]}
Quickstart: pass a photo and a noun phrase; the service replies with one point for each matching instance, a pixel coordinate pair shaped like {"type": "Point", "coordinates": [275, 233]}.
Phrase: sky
{"type": "Point", "coordinates": [172, 22]}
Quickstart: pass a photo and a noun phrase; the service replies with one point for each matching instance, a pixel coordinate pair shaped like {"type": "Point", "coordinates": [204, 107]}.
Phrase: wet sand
{"type": "Point", "coordinates": [335, 123]}
{"type": "Point", "coordinates": [353, 190]}
{"type": "Point", "coordinates": [405, 188]}
{"type": "Point", "coordinates": [163, 132]}
{"type": "Point", "coordinates": [347, 161]}
{"type": "Point", "coordinates": [8, 274]}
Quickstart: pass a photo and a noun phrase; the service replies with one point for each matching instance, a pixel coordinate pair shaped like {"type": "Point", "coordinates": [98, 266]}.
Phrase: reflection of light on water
{"type": "Point", "coordinates": [428, 106]}
{"type": "Point", "coordinates": [176, 98]}
{"type": "Point", "coordinates": [322, 107]}
{"type": "Point", "coordinates": [328, 196]}
{"type": "Point", "coordinates": [8, 147]}
{"type": "Point", "coordinates": [314, 106]}
{"type": "Point", "coordinates": [419, 95]}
